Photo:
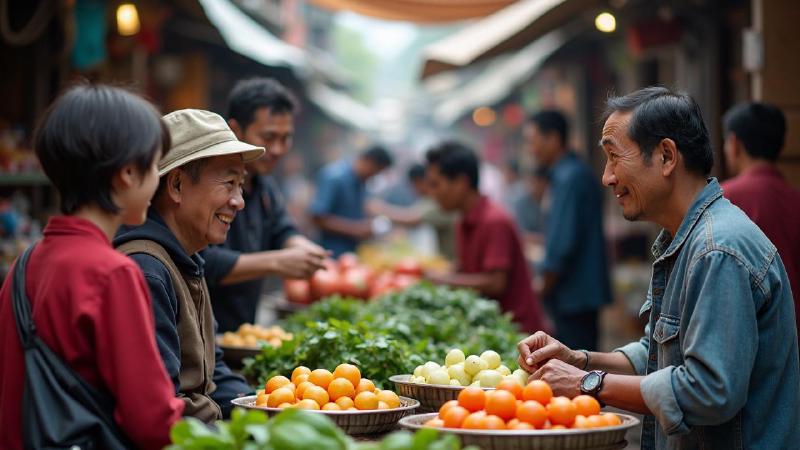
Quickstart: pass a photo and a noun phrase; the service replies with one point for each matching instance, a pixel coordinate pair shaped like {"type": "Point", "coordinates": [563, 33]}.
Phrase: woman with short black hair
{"type": "Point", "coordinates": [100, 147]}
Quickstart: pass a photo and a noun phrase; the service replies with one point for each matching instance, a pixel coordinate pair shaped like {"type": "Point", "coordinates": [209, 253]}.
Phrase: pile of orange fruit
{"type": "Point", "coordinates": [344, 389]}
{"type": "Point", "coordinates": [513, 407]}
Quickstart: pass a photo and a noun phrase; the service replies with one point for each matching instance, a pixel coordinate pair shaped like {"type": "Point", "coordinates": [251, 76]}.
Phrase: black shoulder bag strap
{"type": "Point", "coordinates": [59, 408]}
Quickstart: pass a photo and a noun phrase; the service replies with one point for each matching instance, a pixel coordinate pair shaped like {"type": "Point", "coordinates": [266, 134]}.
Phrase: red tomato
{"type": "Point", "coordinates": [408, 266]}
{"type": "Point", "coordinates": [347, 261]}
{"type": "Point", "coordinates": [405, 281]}
{"type": "Point", "coordinates": [355, 283]}
{"type": "Point", "coordinates": [297, 291]}
{"type": "Point", "coordinates": [325, 283]}
{"type": "Point", "coordinates": [382, 284]}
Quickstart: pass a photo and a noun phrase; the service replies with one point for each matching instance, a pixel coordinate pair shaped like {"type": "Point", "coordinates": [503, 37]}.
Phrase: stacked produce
{"type": "Point", "coordinates": [391, 335]}
{"type": "Point", "coordinates": [512, 407]}
{"type": "Point", "coordinates": [343, 389]}
{"type": "Point", "coordinates": [293, 429]}
{"type": "Point", "coordinates": [249, 335]}
{"type": "Point", "coordinates": [485, 370]}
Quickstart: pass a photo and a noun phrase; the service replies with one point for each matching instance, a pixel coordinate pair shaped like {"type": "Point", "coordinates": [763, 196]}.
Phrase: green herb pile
{"type": "Point", "coordinates": [293, 429]}
{"type": "Point", "coordinates": [391, 335]}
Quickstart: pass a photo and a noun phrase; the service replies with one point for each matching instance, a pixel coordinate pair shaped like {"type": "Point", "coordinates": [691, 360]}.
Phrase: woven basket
{"type": "Point", "coordinates": [352, 422]}
{"type": "Point", "coordinates": [431, 396]}
{"type": "Point", "coordinates": [595, 439]}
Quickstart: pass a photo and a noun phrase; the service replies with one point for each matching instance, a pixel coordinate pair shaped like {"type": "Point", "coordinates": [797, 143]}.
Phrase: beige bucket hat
{"type": "Point", "coordinates": [198, 134]}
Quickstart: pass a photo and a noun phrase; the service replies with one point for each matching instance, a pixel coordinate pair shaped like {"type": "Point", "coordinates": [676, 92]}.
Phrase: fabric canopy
{"type": "Point", "coordinates": [421, 11]}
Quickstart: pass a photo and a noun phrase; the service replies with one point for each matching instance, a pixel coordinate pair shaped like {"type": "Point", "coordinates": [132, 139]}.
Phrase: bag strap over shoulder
{"type": "Point", "coordinates": [26, 329]}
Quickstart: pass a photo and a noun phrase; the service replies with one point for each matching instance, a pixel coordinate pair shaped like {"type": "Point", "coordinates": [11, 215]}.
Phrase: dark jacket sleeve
{"type": "Point", "coordinates": [219, 262]}
{"type": "Point", "coordinates": [165, 312]}
{"type": "Point", "coordinates": [279, 226]}
{"type": "Point", "coordinates": [229, 384]}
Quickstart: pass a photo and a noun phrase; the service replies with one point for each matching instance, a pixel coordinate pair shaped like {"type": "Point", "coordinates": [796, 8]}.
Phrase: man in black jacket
{"type": "Point", "coordinates": [198, 197]}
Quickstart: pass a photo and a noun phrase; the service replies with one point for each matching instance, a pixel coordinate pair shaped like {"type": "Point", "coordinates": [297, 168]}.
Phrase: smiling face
{"type": "Point", "coordinates": [207, 207]}
{"type": "Point", "coordinates": [274, 132]}
{"type": "Point", "coordinates": [637, 183]}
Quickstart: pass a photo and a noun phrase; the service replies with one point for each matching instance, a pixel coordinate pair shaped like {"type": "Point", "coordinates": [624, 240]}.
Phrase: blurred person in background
{"type": "Point", "coordinates": [298, 191]}
{"type": "Point", "coordinates": [264, 240]}
{"type": "Point", "coordinates": [514, 187]}
{"type": "Point", "coordinates": [754, 137]}
{"type": "Point", "coordinates": [490, 254]}
{"type": "Point", "coordinates": [100, 147]}
{"type": "Point", "coordinates": [339, 205]}
{"type": "Point", "coordinates": [575, 268]}
{"type": "Point", "coordinates": [530, 208]}
{"type": "Point", "coordinates": [424, 212]}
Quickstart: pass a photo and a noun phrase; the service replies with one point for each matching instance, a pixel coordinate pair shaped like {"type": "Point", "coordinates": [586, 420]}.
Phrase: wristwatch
{"type": "Point", "coordinates": [592, 383]}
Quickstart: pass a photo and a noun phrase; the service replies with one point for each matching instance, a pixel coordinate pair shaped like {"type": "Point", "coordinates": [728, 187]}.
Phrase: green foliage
{"type": "Point", "coordinates": [391, 335]}
{"type": "Point", "coordinates": [292, 429]}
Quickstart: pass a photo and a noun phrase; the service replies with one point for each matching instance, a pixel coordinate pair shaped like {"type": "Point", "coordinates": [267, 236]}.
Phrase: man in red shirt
{"type": "Point", "coordinates": [490, 257]}
{"type": "Point", "coordinates": [754, 136]}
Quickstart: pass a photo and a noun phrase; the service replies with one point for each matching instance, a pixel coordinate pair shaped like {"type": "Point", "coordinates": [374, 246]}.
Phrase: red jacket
{"type": "Point", "coordinates": [91, 306]}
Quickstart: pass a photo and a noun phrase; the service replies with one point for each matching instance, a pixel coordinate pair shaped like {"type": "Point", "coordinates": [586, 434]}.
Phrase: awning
{"type": "Point", "coordinates": [249, 38]}
{"type": "Point", "coordinates": [342, 107]}
{"type": "Point", "coordinates": [496, 81]}
{"type": "Point", "coordinates": [510, 28]}
{"type": "Point", "coordinates": [421, 11]}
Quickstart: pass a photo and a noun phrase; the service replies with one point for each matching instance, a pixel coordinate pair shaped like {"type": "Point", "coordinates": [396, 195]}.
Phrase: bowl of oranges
{"type": "Point", "coordinates": [352, 402]}
{"type": "Point", "coordinates": [526, 418]}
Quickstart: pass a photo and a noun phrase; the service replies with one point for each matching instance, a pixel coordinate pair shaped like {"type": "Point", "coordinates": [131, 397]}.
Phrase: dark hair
{"type": "Point", "coordinates": [379, 155]}
{"type": "Point", "coordinates": [453, 159]}
{"type": "Point", "coordinates": [416, 172]}
{"type": "Point", "coordinates": [760, 126]}
{"type": "Point", "coordinates": [551, 121]}
{"type": "Point", "coordinates": [192, 168]}
{"type": "Point", "coordinates": [659, 113]}
{"type": "Point", "coordinates": [91, 132]}
{"type": "Point", "coordinates": [252, 94]}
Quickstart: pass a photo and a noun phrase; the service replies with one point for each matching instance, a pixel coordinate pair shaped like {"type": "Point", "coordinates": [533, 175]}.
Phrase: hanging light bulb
{"type": "Point", "coordinates": [127, 19]}
{"type": "Point", "coordinates": [605, 22]}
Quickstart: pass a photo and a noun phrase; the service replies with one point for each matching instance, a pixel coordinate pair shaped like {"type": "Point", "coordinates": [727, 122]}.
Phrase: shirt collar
{"type": "Point", "coordinates": [476, 213]}
{"type": "Point", "coordinates": [74, 226]}
{"type": "Point", "coordinates": [665, 246]}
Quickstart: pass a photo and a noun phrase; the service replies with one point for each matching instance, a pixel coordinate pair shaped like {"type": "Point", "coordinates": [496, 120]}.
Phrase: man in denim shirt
{"type": "Point", "coordinates": [718, 365]}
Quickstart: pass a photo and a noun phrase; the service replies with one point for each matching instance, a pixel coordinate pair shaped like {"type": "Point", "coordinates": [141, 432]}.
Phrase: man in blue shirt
{"type": "Point", "coordinates": [338, 206]}
{"type": "Point", "coordinates": [575, 267]}
{"type": "Point", "coordinates": [717, 366]}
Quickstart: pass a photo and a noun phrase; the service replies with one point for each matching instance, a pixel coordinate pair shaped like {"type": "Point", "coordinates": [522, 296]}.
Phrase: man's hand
{"type": "Point", "coordinates": [563, 378]}
{"type": "Point", "coordinates": [299, 262]}
{"type": "Point", "coordinates": [537, 349]}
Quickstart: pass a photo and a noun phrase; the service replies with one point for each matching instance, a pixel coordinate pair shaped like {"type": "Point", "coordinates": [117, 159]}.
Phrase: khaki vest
{"type": "Point", "coordinates": [195, 332]}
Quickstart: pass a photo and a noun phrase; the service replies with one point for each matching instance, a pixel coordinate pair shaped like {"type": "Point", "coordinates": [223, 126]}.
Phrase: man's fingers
{"type": "Point", "coordinates": [548, 351]}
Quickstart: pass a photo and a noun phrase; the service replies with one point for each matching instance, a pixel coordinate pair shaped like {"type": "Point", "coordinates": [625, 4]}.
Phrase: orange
{"type": "Point", "coordinates": [307, 404]}
{"type": "Point", "coordinates": [317, 394]}
{"type": "Point", "coordinates": [538, 390]}
{"type": "Point", "coordinates": [275, 383]}
{"type": "Point", "coordinates": [291, 387]}
{"type": "Point", "coordinates": [348, 372]}
{"type": "Point", "coordinates": [502, 404]}
{"type": "Point", "coordinates": [321, 378]}
{"type": "Point", "coordinates": [561, 411]}
{"type": "Point", "coordinates": [532, 412]}
{"type": "Point", "coordinates": [280, 395]}
{"type": "Point", "coordinates": [331, 407]}
{"type": "Point", "coordinates": [364, 385]}
{"type": "Point", "coordinates": [455, 417]}
{"type": "Point", "coordinates": [261, 398]}
{"type": "Point", "coordinates": [436, 423]}
{"type": "Point", "coordinates": [586, 405]}
{"type": "Point", "coordinates": [299, 370]}
{"type": "Point", "coordinates": [512, 423]}
{"type": "Point", "coordinates": [443, 410]}
{"type": "Point", "coordinates": [341, 387]}
{"type": "Point", "coordinates": [300, 378]}
{"type": "Point", "coordinates": [301, 388]}
{"type": "Point", "coordinates": [519, 426]}
{"type": "Point", "coordinates": [390, 398]}
{"type": "Point", "coordinates": [366, 400]}
{"type": "Point", "coordinates": [494, 423]}
{"type": "Point", "coordinates": [475, 421]}
{"type": "Point", "coordinates": [558, 427]}
{"type": "Point", "coordinates": [612, 419]}
{"type": "Point", "coordinates": [345, 402]}
{"type": "Point", "coordinates": [285, 405]}
{"type": "Point", "coordinates": [580, 422]}
{"type": "Point", "coordinates": [383, 405]}
{"type": "Point", "coordinates": [596, 421]}
{"type": "Point", "coordinates": [352, 408]}
{"type": "Point", "coordinates": [511, 386]}
{"type": "Point", "coordinates": [473, 398]}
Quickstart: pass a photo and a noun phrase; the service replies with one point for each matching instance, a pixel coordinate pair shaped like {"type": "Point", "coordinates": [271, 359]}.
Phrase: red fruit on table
{"type": "Point", "coordinates": [355, 283]}
{"type": "Point", "coordinates": [297, 291]}
{"type": "Point", "coordinates": [408, 266]}
{"type": "Point", "coordinates": [325, 283]}
{"type": "Point", "coordinates": [347, 261]}
{"type": "Point", "coordinates": [404, 281]}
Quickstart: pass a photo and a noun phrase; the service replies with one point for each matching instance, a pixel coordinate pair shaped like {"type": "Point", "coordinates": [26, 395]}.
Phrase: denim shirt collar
{"type": "Point", "coordinates": [666, 246]}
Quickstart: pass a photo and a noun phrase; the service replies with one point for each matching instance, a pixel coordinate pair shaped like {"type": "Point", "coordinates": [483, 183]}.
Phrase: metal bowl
{"type": "Point", "coordinates": [431, 396]}
{"type": "Point", "coordinates": [352, 422]}
{"type": "Point", "coordinates": [596, 438]}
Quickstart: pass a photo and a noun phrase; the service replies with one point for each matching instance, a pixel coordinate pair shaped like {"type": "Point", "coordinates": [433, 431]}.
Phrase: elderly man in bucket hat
{"type": "Point", "coordinates": [198, 196]}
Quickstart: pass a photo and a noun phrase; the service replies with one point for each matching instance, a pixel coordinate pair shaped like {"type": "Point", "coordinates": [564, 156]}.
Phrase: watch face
{"type": "Point", "coordinates": [591, 381]}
